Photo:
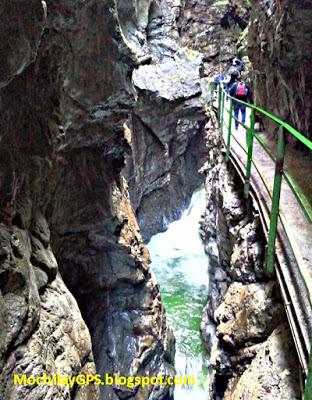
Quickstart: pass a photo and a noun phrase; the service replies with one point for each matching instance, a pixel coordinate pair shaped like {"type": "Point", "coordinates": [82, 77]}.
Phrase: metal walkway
{"type": "Point", "coordinates": [285, 212]}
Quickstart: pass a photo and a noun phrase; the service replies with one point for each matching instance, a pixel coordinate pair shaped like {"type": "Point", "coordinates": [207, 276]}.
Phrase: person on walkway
{"type": "Point", "coordinates": [238, 64]}
{"type": "Point", "coordinates": [233, 79]}
{"type": "Point", "coordinates": [240, 91]}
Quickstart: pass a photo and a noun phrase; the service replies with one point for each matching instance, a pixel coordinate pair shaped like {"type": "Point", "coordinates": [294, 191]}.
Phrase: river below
{"type": "Point", "coordinates": [181, 267]}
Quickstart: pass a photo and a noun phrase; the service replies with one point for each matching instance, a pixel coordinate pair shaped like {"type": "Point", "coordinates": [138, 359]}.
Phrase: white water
{"type": "Point", "coordinates": [181, 268]}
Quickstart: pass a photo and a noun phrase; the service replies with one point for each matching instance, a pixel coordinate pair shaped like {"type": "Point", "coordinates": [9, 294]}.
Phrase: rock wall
{"type": "Point", "coordinates": [279, 37]}
{"type": "Point", "coordinates": [42, 330]}
{"type": "Point", "coordinates": [213, 28]}
{"type": "Point", "coordinates": [166, 136]}
{"type": "Point", "coordinates": [244, 305]}
{"type": "Point", "coordinates": [66, 100]}
{"type": "Point", "coordinates": [165, 131]}
{"type": "Point", "coordinates": [170, 148]}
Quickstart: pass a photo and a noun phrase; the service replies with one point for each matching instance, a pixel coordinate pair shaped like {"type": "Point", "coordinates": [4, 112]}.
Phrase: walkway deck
{"type": "Point", "coordinates": [294, 240]}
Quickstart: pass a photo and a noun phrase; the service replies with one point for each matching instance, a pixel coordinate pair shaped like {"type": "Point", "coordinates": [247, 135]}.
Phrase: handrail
{"type": "Point", "coordinates": [303, 139]}
{"type": "Point", "coordinates": [277, 187]}
{"type": "Point", "coordinates": [279, 173]}
{"type": "Point", "coordinates": [306, 207]}
{"type": "Point", "coordinates": [301, 197]}
{"type": "Point", "coordinates": [306, 278]}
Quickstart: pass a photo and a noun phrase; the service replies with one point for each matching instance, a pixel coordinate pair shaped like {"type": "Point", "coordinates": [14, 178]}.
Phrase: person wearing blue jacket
{"type": "Point", "coordinates": [240, 91]}
{"type": "Point", "coordinates": [233, 78]}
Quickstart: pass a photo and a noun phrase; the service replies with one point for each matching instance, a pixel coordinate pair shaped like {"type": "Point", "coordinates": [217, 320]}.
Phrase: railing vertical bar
{"type": "Point", "coordinates": [222, 111]}
{"type": "Point", "coordinates": [279, 165]}
{"type": "Point", "coordinates": [219, 102]}
{"type": "Point", "coordinates": [228, 146]}
{"type": "Point", "coordinates": [250, 141]}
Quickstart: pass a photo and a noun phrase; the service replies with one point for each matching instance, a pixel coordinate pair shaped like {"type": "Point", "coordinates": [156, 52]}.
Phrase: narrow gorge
{"type": "Point", "coordinates": [126, 244]}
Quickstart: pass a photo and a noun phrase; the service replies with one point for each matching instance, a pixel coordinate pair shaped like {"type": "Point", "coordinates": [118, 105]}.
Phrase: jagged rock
{"type": "Point", "coordinates": [247, 259]}
{"type": "Point", "coordinates": [213, 27]}
{"type": "Point", "coordinates": [155, 167]}
{"type": "Point", "coordinates": [273, 373]}
{"type": "Point", "coordinates": [41, 277]}
{"type": "Point", "coordinates": [20, 39]}
{"type": "Point", "coordinates": [60, 343]}
{"type": "Point", "coordinates": [19, 294]}
{"type": "Point", "coordinates": [174, 79]}
{"type": "Point", "coordinates": [278, 36]}
{"type": "Point", "coordinates": [242, 313]}
{"type": "Point", "coordinates": [219, 359]}
{"type": "Point", "coordinates": [66, 103]}
{"type": "Point", "coordinates": [233, 241]}
{"type": "Point", "coordinates": [42, 330]}
{"type": "Point", "coordinates": [43, 258]}
{"type": "Point", "coordinates": [248, 313]}
{"type": "Point", "coordinates": [166, 140]}
{"type": "Point", "coordinates": [40, 229]}
{"type": "Point", "coordinates": [244, 356]}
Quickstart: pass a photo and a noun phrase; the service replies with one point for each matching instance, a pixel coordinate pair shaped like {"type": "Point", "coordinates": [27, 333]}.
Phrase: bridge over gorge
{"type": "Point", "coordinates": [285, 212]}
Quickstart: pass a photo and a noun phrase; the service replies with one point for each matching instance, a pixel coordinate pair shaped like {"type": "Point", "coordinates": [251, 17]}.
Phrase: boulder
{"type": "Point", "coordinates": [272, 374]}
{"type": "Point", "coordinates": [247, 314]}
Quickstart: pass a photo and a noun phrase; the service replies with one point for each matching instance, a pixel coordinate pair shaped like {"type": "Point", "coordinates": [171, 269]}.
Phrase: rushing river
{"type": "Point", "coordinates": [181, 267]}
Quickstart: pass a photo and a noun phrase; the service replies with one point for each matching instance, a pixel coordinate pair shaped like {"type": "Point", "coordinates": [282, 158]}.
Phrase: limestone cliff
{"type": "Point", "coordinates": [42, 330]}
{"type": "Point", "coordinates": [168, 116]}
{"type": "Point", "coordinates": [66, 97]}
{"type": "Point", "coordinates": [166, 139]}
{"type": "Point", "coordinates": [87, 145]}
{"type": "Point", "coordinates": [165, 130]}
{"type": "Point", "coordinates": [279, 48]}
{"type": "Point", "coordinates": [213, 28]}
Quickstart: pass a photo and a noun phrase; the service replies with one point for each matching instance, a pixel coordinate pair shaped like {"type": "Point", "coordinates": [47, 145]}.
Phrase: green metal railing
{"type": "Point", "coordinates": [280, 173]}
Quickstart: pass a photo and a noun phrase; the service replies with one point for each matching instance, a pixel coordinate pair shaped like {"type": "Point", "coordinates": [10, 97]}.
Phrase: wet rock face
{"type": "Point", "coordinates": [20, 40]}
{"type": "Point", "coordinates": [42, 331]}
{"type": "Point", "coordinates": [162, 168]}
{"type": "Point", "coordinates": [279, 39]}
{"type": "Point", "coordinates": [162, 165]}
{"type": "Point", "coordinates": [272, 374]}
{"type": "Point", "coordinates": [67, 104]}
{"type": "Point", "coordinates": [244, 306]}
{"type": "Point", "coordinates": [213, 27]}
{"type": "Point", "coordinates": [173, 79]}
{"type": "Point", "coordinates": [232, 236]}
{"type": "Point", "coordinates": [247, 313]}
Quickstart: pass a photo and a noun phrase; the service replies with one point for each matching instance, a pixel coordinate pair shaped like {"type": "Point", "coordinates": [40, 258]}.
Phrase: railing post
{"type": "Point", "coordinates": [279, 165]}
{"type": "Point", "coordinates": [228, 146]}
{"type": "Point", "coordinates": [308, 385]}
{"type": "Point", "coordinates": [222, 110]}
{"type": "Point", "coordinates": [219, 102]}
{"type": "Point", "coordinates": [250, 139]}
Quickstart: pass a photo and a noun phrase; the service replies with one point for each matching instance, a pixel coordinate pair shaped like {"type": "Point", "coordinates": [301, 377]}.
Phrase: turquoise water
{"type": "Point", "coordinates": [181, 267]}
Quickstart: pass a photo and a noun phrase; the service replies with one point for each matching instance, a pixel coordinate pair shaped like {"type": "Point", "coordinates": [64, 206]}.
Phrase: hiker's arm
{"type": "Point", "coordinates": [233, 89]}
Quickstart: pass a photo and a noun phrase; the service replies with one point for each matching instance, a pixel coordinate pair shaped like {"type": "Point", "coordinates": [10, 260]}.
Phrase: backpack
{"type": "Point", "coordinates": [241, 89]}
